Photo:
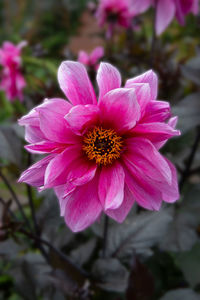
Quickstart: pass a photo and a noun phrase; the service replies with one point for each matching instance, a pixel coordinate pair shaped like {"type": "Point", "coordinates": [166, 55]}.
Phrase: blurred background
{"type": "Point", "coordinates": [149, 256]}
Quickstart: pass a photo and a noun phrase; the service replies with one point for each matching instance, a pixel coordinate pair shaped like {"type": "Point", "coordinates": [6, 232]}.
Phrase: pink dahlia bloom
{"type": "Point", "coordinates": [12, 80]}
{"type": "Point", "coordinates": [114, 13]}
{"type": "Point", "coordinates": [167, 10]}
{"type": "Point", "coordinates": [91, 60]}
{"type": "Point", "coordinates": [103, 155]}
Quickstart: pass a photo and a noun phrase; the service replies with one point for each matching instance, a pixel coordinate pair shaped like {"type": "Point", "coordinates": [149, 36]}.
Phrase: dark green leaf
{"type": "Point", "coordinates": [112, 275]}
{"type": "Point", "coordinates": [10, 145]}
{"type": "Point", "coordinates": [188, 111]}
{"type": "Point", "coordinates": [181, 294]}
{"type": "Point", "coordinates": [191, 70]}
{"type": "Point", "coordinates": [138, 233]}
{"type": "Point", "coordinates": [189, 263]}
{"type": "Point", "coordinates": [82, 254]}
{"type": "Point", "coordinates": [182, 232]}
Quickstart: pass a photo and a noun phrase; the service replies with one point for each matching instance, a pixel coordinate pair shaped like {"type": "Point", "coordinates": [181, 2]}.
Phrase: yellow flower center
{"type": "Point", "coordinates": [102, 145]}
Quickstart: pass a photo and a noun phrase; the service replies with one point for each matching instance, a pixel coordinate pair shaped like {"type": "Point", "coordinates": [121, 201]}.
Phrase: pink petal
{"type": "Point", "coordinates": [35, 174]}
{"type": "Point", "coordinates": [82, 207]}
{"type": "Point", "coordinates": [32, 118]}
{"type": "Point", "coordinates": [172, 123]}
{"type": "Point", "coordinates": [140, 6]}
{"type": "Point", "coordinates": [121, 212]}
{"type": "Point", "coordinates": [171, 193]}
{"type": "Point", "coordinates": [164, 15]}
{"type": "Point", "coordinates": [31, 121]}
{"type": "Point", "coordinates": [33, 134]}
{"type": "Point", "coordinates": [45, 147]}
{"type": "Point", "coordinates": [142, 154]}
{"type": "Point", "coordinates": [148, 77]}
{"type": "Point", "coordinates": [81, 171]}
{"type": "Point", "coordinates": [111, 186]}
{"type": "Point", "coordinates": [83, 58]}
{"type": "Point", "coordinates": [195, 7]}
{"type": "Point", "coordinates": [180, 11]}
{"type": "Point", "coordinates": [58, 169]}
{"type": "Point", "coordinates": [59, 190]}
{"type": "Point", "coordinates": [108, 78]}
{"type": "Point", "coordinates": [75, 83]}
{"type": "Point", "coordinates": [120, 109]}
{"type": "Point", "coordinates": [157, 111]}
{"type": "Point", "coordinates": [143, 94]}
{"type": "Point", "coordinates": [82, 116]}
{"type": "Point", "coordinates": [155, 132]}
{"type": "Point", "coordinates": [144, 191]}
{"type": "Point", "coordinates": [57, 105]}
{"type": "Point", "coordinates": [96, 54]}
{"type": "Point", "coordinates": [52, 122]}
{"type": "Point", "coordinates": [185, 7]}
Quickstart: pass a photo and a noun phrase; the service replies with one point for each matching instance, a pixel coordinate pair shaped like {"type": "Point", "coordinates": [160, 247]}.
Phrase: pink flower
{"type": "Point", "coordinates": [167, 10]}
{"type": "Point", "coordinates": [91, 60]}
{"type": "Point", "coordinates": [114, 13]}
{"type": "Point", "coordinates": [102, 156]}
{"type": "Point", "coordinates": [12, 81]}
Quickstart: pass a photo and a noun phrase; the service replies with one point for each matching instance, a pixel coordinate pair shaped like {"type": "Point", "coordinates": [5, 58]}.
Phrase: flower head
{"type": "Point", "coordinates": [91, 60]}
{"type": "Point", "coordinates": [12, 81]}
{"type": "Point", "coordinates": [166, 10]}
{"type": "Point", "coordinates": [114, 13]}
{"type": "Point", "coordinates": [103, 155]}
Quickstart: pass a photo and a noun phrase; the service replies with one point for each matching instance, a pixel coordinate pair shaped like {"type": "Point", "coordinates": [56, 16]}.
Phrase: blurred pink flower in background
{"type": "Point", "coordinates": [114, 13]}
{"type": "Point", "coordinates": [12, 80]}
{"type": "Point", "coordinates": [91, 60]}
{"type": "Point", "coordinates": [102, 156]}
{"type": "Point", "coordinates": [167, 10]}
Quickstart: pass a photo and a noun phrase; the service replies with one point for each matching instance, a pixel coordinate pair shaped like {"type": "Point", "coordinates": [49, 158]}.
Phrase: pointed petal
{"type": "Point", "coordinates": [172, 123]}
{"type": "Point", "coordinates": [144, 191]}
{"type": "Point", "coordinates": [120, 109]}
{"type": "Point", "coordinates": [82, 207]}
{"type": "Point", "coordinates": [142, 154]}
{"type": "Point", "coordinates": [164, 15]}
{"type": "Point", "coordinates": [149, 77]}
{"type": "Point", "coordinates": [171, 193]}
{"type": "Point", "coordinates": [157, 111]}
{"type": "Point", "coordinates": [111, 186]}
{"type": "Point", "coordinates": [143, 94]}
{"type": "Point", "coordinates": [58, 169]}
{"type": "Point", "coordinates": [59, 191]}
{"type": "Point", "coordinates": [45, 147]}
{"type": "Point", "coordinates": [108, 78]}
{"type": "Point", "coordinates": [33, 134]}
{"type": "Point", "coordinates": [52, 122]}
{"type": "Point", "coordinates": [122, 211]}
{"type": "Point", "coordinates": [81, 171]}
{"type": "Point", "coordinates": [155, 132]}
{"type": "Point", "coordinates": [75, 83]}
{"type": "Point", "coordinates": [140, 6]}
{"type": "Point", "coordinates": [82, 116]}
{"type": "Point", "coordinates": [35, 174]}
{"type": "Point", "coordinates": [32, 118]}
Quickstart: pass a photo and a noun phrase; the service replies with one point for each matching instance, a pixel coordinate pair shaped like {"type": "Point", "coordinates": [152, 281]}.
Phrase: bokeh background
{"type": "Point", "coordinates": [149, 256]}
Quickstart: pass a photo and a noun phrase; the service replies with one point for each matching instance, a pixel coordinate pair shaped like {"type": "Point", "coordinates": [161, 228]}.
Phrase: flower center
{"type": "Point", "coordinates": [102, 145]}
